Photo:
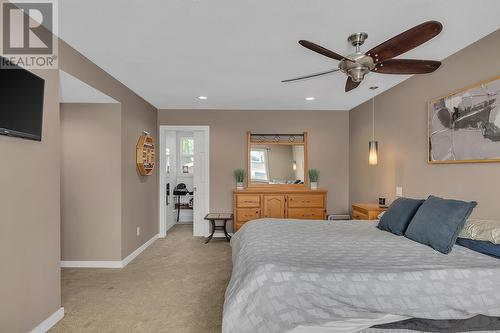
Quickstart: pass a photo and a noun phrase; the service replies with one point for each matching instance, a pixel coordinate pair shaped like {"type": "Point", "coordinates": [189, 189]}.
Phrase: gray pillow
{"type": "Point", "coordinates": [438, 222]}
{"type": "Point", "coordinates": [399, 215]}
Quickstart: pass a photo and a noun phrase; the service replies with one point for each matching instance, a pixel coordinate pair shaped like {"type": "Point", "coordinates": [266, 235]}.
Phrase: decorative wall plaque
{"type": "Point", "coordinates": [145, 154]}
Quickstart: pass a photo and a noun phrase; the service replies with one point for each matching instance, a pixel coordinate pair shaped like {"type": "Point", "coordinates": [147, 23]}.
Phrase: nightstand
{"type": "Point", "coordinates": [364, 211]}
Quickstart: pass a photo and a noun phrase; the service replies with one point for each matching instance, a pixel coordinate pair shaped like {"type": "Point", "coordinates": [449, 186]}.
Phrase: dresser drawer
{"type": "Point", "coordinates": [306, 213]}
{"type": "Point", "coordinates": [247, 200]}
{"type": "Point", "coordinates": [312, 200]}
{"type": "Point", "coordinates": [357, 215]}
{"type": "Point", "coordinates": [247, 214]}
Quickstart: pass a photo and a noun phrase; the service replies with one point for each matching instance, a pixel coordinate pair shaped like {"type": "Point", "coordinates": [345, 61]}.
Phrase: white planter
{"type": "Point", "coordinates": [314, 185]}
{"type": "Point", "coordinates": [239, 186]}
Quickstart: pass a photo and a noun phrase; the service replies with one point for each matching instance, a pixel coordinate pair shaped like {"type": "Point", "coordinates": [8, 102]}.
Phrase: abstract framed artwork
{"type": "Point", "coordinates": [464, 126]}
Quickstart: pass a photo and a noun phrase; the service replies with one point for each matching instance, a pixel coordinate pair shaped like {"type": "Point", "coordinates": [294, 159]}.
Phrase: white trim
{"type": "Point", "coordinates": [47, 324]}
{"type": "Point", "coordinates": [110, 264]}
{"type": "Point", "coordinates": [141, 248]}
{"type": "Point", "coordinates": [91, 264]}
{"type": "Point", "coordinates": [161, 179]}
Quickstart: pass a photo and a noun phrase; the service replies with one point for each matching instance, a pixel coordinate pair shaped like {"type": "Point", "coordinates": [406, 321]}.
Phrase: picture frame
{"type": "Point", "coordinates": [464, 126]}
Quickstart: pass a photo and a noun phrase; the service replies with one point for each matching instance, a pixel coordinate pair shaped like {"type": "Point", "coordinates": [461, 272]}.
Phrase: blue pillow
{"type": "Point", "coordinates": [399, 215]}
{"type": "Point", "coordinates": [438, 222]}
{"type": "Point", "coordinates": [481, 246]}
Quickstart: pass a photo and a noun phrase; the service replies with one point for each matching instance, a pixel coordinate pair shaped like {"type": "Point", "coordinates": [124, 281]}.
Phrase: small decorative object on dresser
{"type": "Point", "coordinates": [255, 203]}
{"type": "Point", "coordinates": [145, 154]}
{"type": "Point", "coordinates": [366, 211]}
{"type": "Point", "coordinates": [239, 176]}
{"type": "Point", "coordinates": [313, 178]}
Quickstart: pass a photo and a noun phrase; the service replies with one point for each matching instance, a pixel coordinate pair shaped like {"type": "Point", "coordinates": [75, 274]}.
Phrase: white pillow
{"type": "Point", "coordinates": [485, 230]}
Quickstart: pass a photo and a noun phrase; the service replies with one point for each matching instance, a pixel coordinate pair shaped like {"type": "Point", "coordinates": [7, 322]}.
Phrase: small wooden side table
{"type": "Point", "coordinates": [213, 217]}
{"type": "Point", "coordinates": [364, 211]}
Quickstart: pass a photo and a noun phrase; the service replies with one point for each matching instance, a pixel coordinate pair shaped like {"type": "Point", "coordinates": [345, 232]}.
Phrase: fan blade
{"type": "Point", "coordinates": [350, 84]}
{"type": "Point", "coordinates": [405, 41]}
{"type": "Point", "coordinates": [321, 50]}
{"type": "Point", "coordinates": [406, 66]}
{"type": "Point", "coordinates": [312, 75]}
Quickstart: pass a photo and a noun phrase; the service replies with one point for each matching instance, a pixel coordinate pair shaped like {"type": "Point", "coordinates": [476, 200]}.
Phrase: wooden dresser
{"type": "Point", "coordinates": [253, 203]}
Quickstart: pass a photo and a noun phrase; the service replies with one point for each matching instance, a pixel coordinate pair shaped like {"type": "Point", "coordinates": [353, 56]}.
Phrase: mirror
{"type": "Point", "coordinates": [279, 162]}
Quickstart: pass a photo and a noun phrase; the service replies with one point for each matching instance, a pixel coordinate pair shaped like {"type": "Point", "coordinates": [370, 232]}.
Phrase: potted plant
{"type": "Point", "coordinates": [313, 178]}
{"type": "Point", "coordinates": [239, 176]}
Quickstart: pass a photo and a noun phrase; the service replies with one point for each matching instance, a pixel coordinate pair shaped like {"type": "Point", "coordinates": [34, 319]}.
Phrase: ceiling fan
{"type": "Point", "coordinates": [379, 59]}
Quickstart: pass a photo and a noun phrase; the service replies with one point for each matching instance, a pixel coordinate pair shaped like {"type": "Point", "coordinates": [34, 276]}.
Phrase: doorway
{"type": "Point", "coordinates": [184, 178]}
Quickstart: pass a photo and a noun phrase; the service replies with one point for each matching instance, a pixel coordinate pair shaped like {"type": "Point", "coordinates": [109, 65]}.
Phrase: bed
{"type": "Point", "coordinates": [346, 276]}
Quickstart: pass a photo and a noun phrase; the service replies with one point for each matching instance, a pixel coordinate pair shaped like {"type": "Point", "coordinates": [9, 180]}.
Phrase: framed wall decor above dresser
{"type": "Point", "coordinates": [277, 181]}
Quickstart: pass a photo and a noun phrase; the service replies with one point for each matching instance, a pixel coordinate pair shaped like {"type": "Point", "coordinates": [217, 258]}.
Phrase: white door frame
{"type": "Point", "coordinates": [161, 179]}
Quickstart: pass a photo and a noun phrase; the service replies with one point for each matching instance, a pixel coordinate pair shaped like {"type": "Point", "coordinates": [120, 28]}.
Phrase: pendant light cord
{"type": "Point", "coordinates": [373, 118]}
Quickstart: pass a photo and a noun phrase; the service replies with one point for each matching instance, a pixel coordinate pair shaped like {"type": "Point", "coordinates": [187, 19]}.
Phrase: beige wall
{"type": "Point", "coordinates": [328, 135]}
{"type": "Point", "coordinates": [29, 228]}
{"type": "Point", "coordinates": [91, 181]}
{"type": "Point", "coordinates": [401, 129]}
{"type": "Point", "coordinates": [139, 193]}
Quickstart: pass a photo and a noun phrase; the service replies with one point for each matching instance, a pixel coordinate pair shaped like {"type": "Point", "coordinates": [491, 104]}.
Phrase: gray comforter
{"type": "Point", "coordinates": [288, 273]}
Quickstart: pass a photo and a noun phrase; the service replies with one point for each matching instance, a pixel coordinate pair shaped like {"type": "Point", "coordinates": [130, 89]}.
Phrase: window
{"type": "Point", "coordinates": [259, 168]}
{"type": "Point", "coordinates": [187, 155]}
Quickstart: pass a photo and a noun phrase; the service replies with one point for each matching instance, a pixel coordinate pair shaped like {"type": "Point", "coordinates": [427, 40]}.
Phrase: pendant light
{"type": "Point", "coordinates": [373, 145]}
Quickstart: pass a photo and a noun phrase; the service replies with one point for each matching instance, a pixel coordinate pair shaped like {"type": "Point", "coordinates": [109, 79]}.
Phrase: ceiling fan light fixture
{"type": "Point", "coordinates": [379, 59]}
{"type": "Point", "coordinates": [357, 74]}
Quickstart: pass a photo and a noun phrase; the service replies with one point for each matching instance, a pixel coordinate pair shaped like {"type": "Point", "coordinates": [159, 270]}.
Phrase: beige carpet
{"type": "Point", "coordinates": [176, 285]}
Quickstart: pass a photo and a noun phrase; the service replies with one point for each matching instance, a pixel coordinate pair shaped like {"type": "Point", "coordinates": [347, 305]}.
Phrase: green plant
{"type": "Point", "coordinates": [313, 175]}
{"type": "Point", "coordinates": [239, 175]}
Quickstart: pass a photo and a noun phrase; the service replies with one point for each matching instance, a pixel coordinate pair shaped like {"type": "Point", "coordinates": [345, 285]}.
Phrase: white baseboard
{"type": "Point", "coordinates": [109, 264]}
{"type": "Point", "coordinates": [91, 264]}
{"type": "Point", "coordinates": [47, 324]}
{"type": "Point", "coordinates": [141, 248]}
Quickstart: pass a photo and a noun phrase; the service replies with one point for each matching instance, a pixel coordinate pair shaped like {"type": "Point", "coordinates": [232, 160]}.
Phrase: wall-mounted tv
{"type": "Point", "coordinates": [21, 103]}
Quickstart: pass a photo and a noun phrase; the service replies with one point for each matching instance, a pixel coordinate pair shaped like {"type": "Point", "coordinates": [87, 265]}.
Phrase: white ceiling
{"type": "Point", "coordinates": [236, 52]}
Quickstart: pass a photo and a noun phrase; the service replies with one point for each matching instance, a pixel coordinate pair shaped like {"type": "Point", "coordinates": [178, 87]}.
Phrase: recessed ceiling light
{"type": "Point", "coordinates": [202, 97]}
{"type": "Point", "coordinates": [310, 98]}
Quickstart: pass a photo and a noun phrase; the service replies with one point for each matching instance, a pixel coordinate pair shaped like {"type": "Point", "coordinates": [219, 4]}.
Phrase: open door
{"type": "Point", "coordinates": [200, 182]}
{"type": "Point", "coordinates": [167, 154]}
{"type": "Point", "coordinates": [170, 176]}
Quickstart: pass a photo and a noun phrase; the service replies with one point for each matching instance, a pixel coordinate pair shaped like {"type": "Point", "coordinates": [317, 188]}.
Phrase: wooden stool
{"type": "Point", "coordinates": [212, 217]}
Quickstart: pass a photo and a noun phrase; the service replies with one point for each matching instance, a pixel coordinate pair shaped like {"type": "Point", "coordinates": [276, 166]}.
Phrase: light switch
{"type": "Point", "coordinates": [399, 191]}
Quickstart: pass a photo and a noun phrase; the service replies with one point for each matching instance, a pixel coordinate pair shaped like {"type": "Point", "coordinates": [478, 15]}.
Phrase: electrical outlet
{"type": "Point", "coordinates": [138, 231]}
{"type": "Point", "coordinates": [399, 191]}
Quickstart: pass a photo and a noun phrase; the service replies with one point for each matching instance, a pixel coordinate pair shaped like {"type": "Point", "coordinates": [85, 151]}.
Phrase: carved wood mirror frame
{"type": "Point", "coordinates": [277, 139]}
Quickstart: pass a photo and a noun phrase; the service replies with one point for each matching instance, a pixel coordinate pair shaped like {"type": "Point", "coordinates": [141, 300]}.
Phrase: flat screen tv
{"type": "Point", "coordinates": [21, 103]}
